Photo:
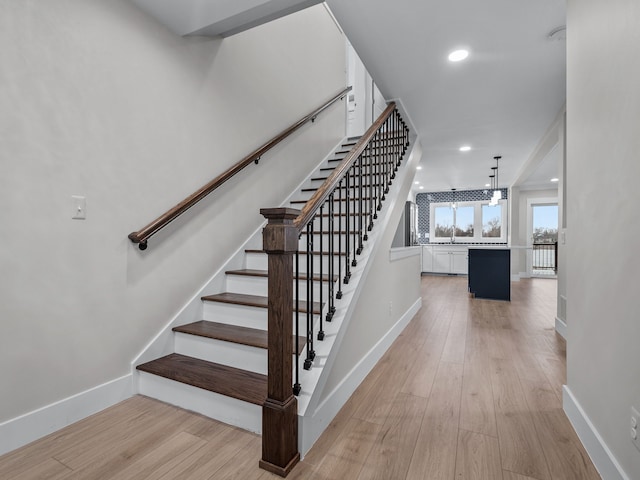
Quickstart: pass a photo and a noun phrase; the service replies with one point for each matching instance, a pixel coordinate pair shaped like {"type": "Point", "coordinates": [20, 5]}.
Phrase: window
{"type": "Point", "coordinates": [470, 222]}
{"type": "Point", "coordinates": [491, 221]}
{"type": "Point", "coordinates": [464, 221]}
{"type": "Point", "coordinates": [443, 221]}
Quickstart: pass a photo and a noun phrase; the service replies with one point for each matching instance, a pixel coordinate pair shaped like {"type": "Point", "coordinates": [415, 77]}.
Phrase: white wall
{"type": "Point", "coordinates": [603, 115]}
{"type": "Point", "coordinates": [100, 100]}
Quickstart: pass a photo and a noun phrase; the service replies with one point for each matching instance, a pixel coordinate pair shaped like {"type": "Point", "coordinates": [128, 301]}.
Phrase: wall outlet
{"type": "Point", "coordinates": [635, 427]}
{"type": "Point", "coordinates": [390, 307]}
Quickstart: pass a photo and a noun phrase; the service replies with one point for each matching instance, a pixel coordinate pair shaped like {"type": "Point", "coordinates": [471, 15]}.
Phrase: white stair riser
{"type": "Point", "coordinates": [225, 353]}
{"type": "Point", "coordinates": [339, 223]}
{"type": "Point", "coordinates": [259, 286]}
{"type": "Point", "coordinates": [240, 315]}
{"type": "Point", "coordinates": [259, 261]}
{"type": "Point", "coordinates": [225, 409]}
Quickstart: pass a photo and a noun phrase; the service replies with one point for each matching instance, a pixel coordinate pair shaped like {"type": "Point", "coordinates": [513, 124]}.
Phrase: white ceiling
{"type": "Point", "coordinates": [500, 101]}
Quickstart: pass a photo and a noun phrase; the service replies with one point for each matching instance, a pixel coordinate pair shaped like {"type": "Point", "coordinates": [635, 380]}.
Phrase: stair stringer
{"type": "Point", "coordinates": [163, 342]}
{"type": "Point", "coordinates": [314, 414]}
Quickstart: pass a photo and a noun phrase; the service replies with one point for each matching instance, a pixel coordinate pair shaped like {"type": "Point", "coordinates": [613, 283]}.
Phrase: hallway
{"type": "Point", "coordinates": [472, 389]}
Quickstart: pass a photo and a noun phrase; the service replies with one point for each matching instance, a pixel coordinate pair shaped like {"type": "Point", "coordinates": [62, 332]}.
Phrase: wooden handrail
{"type": "Point", "coordinates": [141, 236]}
{"type": "Point", "coordinates": [330, 184]}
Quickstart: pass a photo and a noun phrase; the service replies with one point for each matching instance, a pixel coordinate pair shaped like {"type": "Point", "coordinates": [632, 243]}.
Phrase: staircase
{"type": "Point", "coordinates": [219, 363]}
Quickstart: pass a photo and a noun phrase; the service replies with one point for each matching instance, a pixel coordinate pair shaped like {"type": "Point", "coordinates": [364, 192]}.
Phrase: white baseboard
{"type": "Point", "coordinates": [515, 277]}
{"type": "Point", "coordinates": [604, 461]}
{"type": "Point", "coordinates": [31, 426]}
{"type": "Point", "coordinates": [561, 328]}
{"type": "Point", "coordinates": [312, 426]}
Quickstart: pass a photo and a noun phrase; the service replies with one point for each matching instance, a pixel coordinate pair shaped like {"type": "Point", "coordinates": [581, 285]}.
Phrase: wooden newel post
{"type": "Point", "coordinates": [280, 410]}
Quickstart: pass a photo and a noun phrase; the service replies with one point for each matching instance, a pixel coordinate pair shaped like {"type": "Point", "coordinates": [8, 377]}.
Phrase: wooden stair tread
{"type": "Point", "coordinates": [232, 333]}
{"type": "Point", "coordinates": [233, 382]}
{"type": "Point", "coordinates": [344, 187]}
{"type": "Point", "coordinates": [247, 272]}
{"type": "Point", "coordinates": [335, 200]}
{"type": "Point", "coordinates": [255, 301]}
{"type": "Point", "coordinates": [302, 252]}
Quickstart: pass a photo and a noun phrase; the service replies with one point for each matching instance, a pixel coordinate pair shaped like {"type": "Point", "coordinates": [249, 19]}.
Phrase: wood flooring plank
{"type": "Point", "coordinates": [244, 465]}
{"type": "Point", "coordinates": [477, 412]}
{"type": "Point", "coordinates": [392, 450]}
{"type": "Point", "coordinates": [478, 457]}
{"type": "Point", "coordinates": [434, 454]}
{"type": "Point", "coordinates": [348, 454]}
{"type": "Point", "coordinates": [564, 454]}
{"type": "Point", "coordinates": [395, 366]}
{"type": "Point", "coordinates": [507, 475]}
{"type": "Point", "coordinates": [162, 459]}
{"type": "Point", "coordinates": [49, 469]}
{"type": "Point", "coordinates": [13, 463]}
{"type": "Point", "coordinates": [419, 382]}
{"type": "Point", "coordinates": [106, 459]}
{"type": "Point", "coordinates": [520, 448]}
{"type": "Point", "coordinates": [204, 462]}
{"type": "Point", "coordinates": [302, 471]}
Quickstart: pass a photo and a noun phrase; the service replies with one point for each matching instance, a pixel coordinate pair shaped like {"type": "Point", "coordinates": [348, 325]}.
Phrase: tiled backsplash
{"type": "Point", "coordinates": [423, 201]}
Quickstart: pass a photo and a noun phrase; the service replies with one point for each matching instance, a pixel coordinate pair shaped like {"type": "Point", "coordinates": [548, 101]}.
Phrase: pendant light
{"type": "Point", "coordinates": [497, 193]}
{"type": "Point", "coordinates": [454, 205]}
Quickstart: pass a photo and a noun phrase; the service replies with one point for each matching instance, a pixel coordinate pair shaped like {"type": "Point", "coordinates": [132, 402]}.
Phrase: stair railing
{"type": "Point", "coordinates": [342, 211]}
{"type": "Point", "coordinates": [141, 236]}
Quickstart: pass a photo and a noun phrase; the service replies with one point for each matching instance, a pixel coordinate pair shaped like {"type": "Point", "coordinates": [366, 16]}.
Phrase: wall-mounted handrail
{"type": "Point", "coordinates": [141, 236]}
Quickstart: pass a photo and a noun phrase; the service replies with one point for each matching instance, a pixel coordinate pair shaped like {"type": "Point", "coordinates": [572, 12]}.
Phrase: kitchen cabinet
{"type": "Point", "coordinates": [427, 258]}
{"type": "Point", "coordinates": [445, 259]}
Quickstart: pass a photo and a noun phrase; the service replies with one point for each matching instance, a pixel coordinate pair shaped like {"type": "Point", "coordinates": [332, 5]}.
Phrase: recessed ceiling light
{"type": "Point", "coordinates": [420, 187]}
{"type": "Point", "coordinates": [465, 148]}
{"type": "Point", "coordinates": [487, 184]}
{"type": "Point", "coordinates": [418, 167]}
{"type": "Point", "coordinates": [458, 55]}
{"type": "Point", "coordinates": [555, 179]}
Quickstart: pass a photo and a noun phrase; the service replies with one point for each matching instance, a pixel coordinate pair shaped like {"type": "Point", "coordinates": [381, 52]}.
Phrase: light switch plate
{"type": "Point", "coordinates": [79, 207]}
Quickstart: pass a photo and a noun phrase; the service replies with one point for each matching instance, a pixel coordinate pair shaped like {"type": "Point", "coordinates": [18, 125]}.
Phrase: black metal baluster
{"type": "Point", "coordinates": [396, 137]}
{"type": "Point", "coordinates": [389, 158]}
{"type": "Point", "coordinates": [354, 231]}
{"type": "Point", "coordinates": [321, 330]}
{"type": "Point", "coordinates": [339, 294]}
{"type": "Point", "coordinates": [384, 158]}
{"type": "Point", "coordinates": [309, 360]}
{"type": "Point", "coordinates": [360, 200]}
{"type": "Point", "coordinates": [296, 386]}
{"type": "Point", "coordinates": [331, 256]}
{"type": "Point", "coordinates": [379, 177]}
{"type": "Point", "coordinates": [374, 177]}
{"type": "Point", "coordinates": [370, 180]}
{"type": "Point", "coordinates": [347, 268]}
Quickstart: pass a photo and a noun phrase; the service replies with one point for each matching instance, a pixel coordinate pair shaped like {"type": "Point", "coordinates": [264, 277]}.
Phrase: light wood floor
{"type": "Point", "coordinates": [470, 390]}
